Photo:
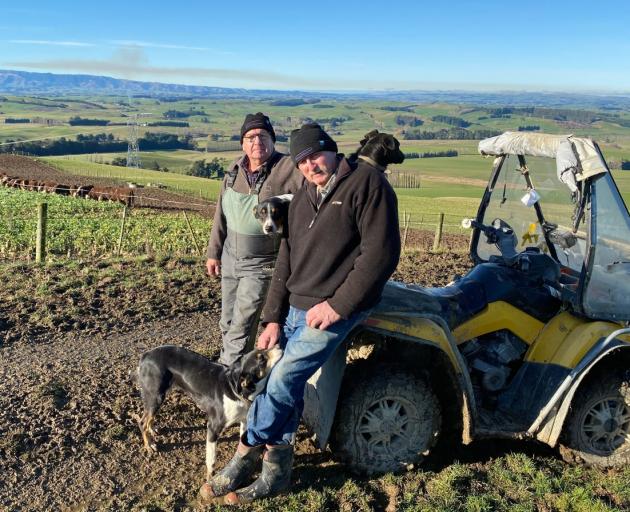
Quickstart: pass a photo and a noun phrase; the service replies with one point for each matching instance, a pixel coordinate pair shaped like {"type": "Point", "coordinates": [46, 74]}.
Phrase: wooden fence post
{"type": "Point", "coordinates": [192, 233]}
{"type": "Point", "coordinates": [122, 230]}
{"type": "Point", "coordinates": [40, 244]}
{"type": "Point", "coordinates": [438, 232]}
{"type": "Point", "coordinates": [406, 225]}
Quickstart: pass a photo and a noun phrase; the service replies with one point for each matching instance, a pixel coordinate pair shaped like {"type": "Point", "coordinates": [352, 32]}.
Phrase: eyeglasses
{"type": "Point", "coordinates": [262, 136]}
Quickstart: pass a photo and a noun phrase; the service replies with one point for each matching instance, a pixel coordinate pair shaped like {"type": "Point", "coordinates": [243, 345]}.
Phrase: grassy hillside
{"type": "Point", "coordinates": [192, 185]}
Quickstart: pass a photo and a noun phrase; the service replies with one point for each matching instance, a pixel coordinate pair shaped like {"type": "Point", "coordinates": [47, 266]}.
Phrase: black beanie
{"type": "Point", "coordinates": [309, 139]}
{"type": "Point", "coordinates": [257, 120]}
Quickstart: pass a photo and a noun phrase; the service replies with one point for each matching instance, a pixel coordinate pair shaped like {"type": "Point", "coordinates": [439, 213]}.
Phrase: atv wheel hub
{"type": "Point", "coordinates": [385, 426]}
{"type": "Point", "coordinates": [606, 425]}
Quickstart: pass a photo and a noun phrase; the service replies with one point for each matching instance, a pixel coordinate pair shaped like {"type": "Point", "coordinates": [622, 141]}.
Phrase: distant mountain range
{"type": "Point", "coordinates": [24, 82]}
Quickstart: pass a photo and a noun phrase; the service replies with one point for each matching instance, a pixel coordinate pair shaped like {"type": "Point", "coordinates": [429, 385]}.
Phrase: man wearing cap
{"type": "Point", "coordinates": [238, 250]}
{"type": "Point", "coordinates": [343, 245]}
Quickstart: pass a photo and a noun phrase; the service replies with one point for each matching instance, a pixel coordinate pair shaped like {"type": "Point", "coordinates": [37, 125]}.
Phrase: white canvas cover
{"type": "Point", "coordinates": [566, 149]}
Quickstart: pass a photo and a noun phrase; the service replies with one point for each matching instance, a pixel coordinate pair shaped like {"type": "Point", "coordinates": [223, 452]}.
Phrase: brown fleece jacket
{"type": "Point", "coordinates": [344, 252]}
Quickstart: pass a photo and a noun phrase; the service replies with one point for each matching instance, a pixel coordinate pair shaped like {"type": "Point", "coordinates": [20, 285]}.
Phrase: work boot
{"type": "Point", "coordinates": [243, 465]}
{"type": "Point", "coordinates": [274, 478]}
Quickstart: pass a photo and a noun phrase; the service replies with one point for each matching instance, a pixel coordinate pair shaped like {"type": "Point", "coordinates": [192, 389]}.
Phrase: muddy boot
{"type": "Point", "coordinates": [243, 465]}
{"type": "Point", "coordinates": [274, 478]}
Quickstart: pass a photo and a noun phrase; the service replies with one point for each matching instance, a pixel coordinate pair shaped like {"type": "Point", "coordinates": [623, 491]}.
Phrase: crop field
{"type": "Point", "coordinates": [215, 122]}
{"type": "Point", "coordinates": [83, 229]}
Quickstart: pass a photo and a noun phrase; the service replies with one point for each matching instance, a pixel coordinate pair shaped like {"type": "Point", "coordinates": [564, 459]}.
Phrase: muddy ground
{"type": "Point", "coordinates": [70, 338]}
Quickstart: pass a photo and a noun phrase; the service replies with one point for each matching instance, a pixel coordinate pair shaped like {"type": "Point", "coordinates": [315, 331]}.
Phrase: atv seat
{"type": "Point", "coordinates": [454, 303]}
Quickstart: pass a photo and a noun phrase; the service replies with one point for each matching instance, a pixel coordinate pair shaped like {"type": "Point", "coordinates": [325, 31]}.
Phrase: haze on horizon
{"type": "Point", "coordinates": [329, 46]}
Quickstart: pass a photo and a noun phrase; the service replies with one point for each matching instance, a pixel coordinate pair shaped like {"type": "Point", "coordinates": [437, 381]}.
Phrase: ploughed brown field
{"type": "Point", "coordinates": [27, 168]}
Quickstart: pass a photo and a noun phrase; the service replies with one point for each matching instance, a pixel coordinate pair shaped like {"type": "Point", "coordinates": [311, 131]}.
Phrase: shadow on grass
{"type": "Point", "coordinates": [483, 451]}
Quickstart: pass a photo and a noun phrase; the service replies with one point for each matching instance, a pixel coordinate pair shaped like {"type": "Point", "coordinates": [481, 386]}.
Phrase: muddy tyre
{"type": "Point", "coordinates": [598, 429]}
{"type": "Point", "coordinates": [387, 421]}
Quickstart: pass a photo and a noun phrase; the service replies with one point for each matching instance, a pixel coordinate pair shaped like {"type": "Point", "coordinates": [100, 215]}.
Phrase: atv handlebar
{"type": "Point", "coordinates": [500, 233]}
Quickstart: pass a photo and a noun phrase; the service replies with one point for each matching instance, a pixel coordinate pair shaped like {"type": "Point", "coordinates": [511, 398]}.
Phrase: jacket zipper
{"type": "Point", "coordinates": [319, 207]}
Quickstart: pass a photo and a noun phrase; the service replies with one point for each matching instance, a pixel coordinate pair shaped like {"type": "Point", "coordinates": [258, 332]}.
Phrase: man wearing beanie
{"type": "Point", "coordinates": [343, 245]}
{"type": "Point", "coordinates": [238, 250]}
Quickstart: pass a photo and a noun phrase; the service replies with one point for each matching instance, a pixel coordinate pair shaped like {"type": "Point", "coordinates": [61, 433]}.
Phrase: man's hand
{"type": "Point", "coordinates": [321, 316]}
{"type": "Point", "coordinates": [269, 337]}
{"type": "Point", "coordinates": [214, 267]}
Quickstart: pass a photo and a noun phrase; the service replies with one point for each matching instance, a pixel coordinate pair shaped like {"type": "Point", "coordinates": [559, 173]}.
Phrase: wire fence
{"type": "Point", "coordinates": [54, 232]}
{"type": "Point", "coordinates": [82, 228]}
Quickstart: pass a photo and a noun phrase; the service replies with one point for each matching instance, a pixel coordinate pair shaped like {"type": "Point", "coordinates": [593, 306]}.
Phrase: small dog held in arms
{"type": "Point", "coordinates": [273, 212]}
{"type": "Point", "coordinates": [224, 394]}
{"type": "Point", "coordinates": [379, 150]}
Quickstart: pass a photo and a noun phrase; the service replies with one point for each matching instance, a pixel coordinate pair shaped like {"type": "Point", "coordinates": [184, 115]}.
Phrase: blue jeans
{"type": "Point", "coordinates": [274, 415]}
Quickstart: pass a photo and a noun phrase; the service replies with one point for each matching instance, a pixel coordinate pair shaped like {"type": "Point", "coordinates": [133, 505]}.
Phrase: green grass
{"type": "Point", "coordinates": [178, 161]}
{"type": "Point", "coordinates": [191, 185]}
{"type": "Point", "coordinates": [468, 167]}
{"type": "Point", "coordinates": [226, 116]}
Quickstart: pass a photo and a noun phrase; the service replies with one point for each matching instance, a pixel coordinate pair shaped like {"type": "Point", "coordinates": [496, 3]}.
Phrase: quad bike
{"type": "Point", "coordinates": [532, 343]}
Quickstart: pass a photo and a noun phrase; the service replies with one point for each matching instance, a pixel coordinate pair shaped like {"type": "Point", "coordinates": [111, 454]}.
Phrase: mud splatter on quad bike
{"type": "Point", "coordinates": [532, 343]}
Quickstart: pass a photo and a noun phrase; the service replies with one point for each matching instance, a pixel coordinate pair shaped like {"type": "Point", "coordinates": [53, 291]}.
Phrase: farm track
{"type": "Point", "coordinates": [69, 441]}
{"type": "Point", "coordinates": [70, 337]}
{"type": "Point", "coordinates": [148, 197]}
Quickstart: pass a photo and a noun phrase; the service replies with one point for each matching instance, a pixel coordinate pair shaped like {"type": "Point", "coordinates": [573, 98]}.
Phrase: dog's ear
{"type": "Point", "coordinates": [394, 154]}
{"type": "Point", "coordinates": [368, 136]}
{"type": "Point", "coordinates": [390, 142]}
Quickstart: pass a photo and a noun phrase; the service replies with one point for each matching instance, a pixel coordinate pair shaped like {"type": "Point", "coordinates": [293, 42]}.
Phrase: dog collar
{"type": "Point", "coordinates": [372, 162]}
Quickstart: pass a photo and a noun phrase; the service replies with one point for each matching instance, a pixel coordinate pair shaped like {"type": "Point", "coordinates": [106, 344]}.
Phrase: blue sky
{"type": "Point", "coordinates": [572, 46]}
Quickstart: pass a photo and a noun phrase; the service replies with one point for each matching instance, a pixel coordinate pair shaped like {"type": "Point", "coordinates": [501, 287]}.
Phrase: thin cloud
{"type": "Point", "coordinates": [135, 67]}
{"type": "Point", "coordinates": [131, 63]}
{"type": "Point", "coordinates": [49, 43]}
{"type": "Point", "coordinates": [147, 44]}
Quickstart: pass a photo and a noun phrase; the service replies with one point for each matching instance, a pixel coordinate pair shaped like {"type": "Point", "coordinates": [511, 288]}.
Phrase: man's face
{"type": "Point", "coordinates": [258, 145]}
{"type": "Point", "coordinates": [318, 167]}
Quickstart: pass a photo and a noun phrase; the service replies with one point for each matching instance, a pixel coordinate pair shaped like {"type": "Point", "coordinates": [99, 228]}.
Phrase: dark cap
{"type": "Point", "coordinates": [309, 139]}
{"type": "Point", "coordinates": [257, 120]}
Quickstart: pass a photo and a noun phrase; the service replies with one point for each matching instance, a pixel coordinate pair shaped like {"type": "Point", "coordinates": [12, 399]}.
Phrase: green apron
{"type": "Point", "coordinates": [247, 263]}
{"type": "Point", "coordinates": [245, 238]}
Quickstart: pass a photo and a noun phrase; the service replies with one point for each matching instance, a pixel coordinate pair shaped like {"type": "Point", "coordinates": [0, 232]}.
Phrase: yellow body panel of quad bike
{"type": "Point", "coordinates": [421, 329]}
{"type": "Point", "coordinates": [563, 341]}
{"type": "Point", "coordinates": [566, 339]}
{"type": "Point", "coordinates": [496, 316]}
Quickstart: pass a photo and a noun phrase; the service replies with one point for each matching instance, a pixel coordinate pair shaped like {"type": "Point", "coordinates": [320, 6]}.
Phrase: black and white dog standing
{"type": "Point", "coordinates": [224, 394]}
